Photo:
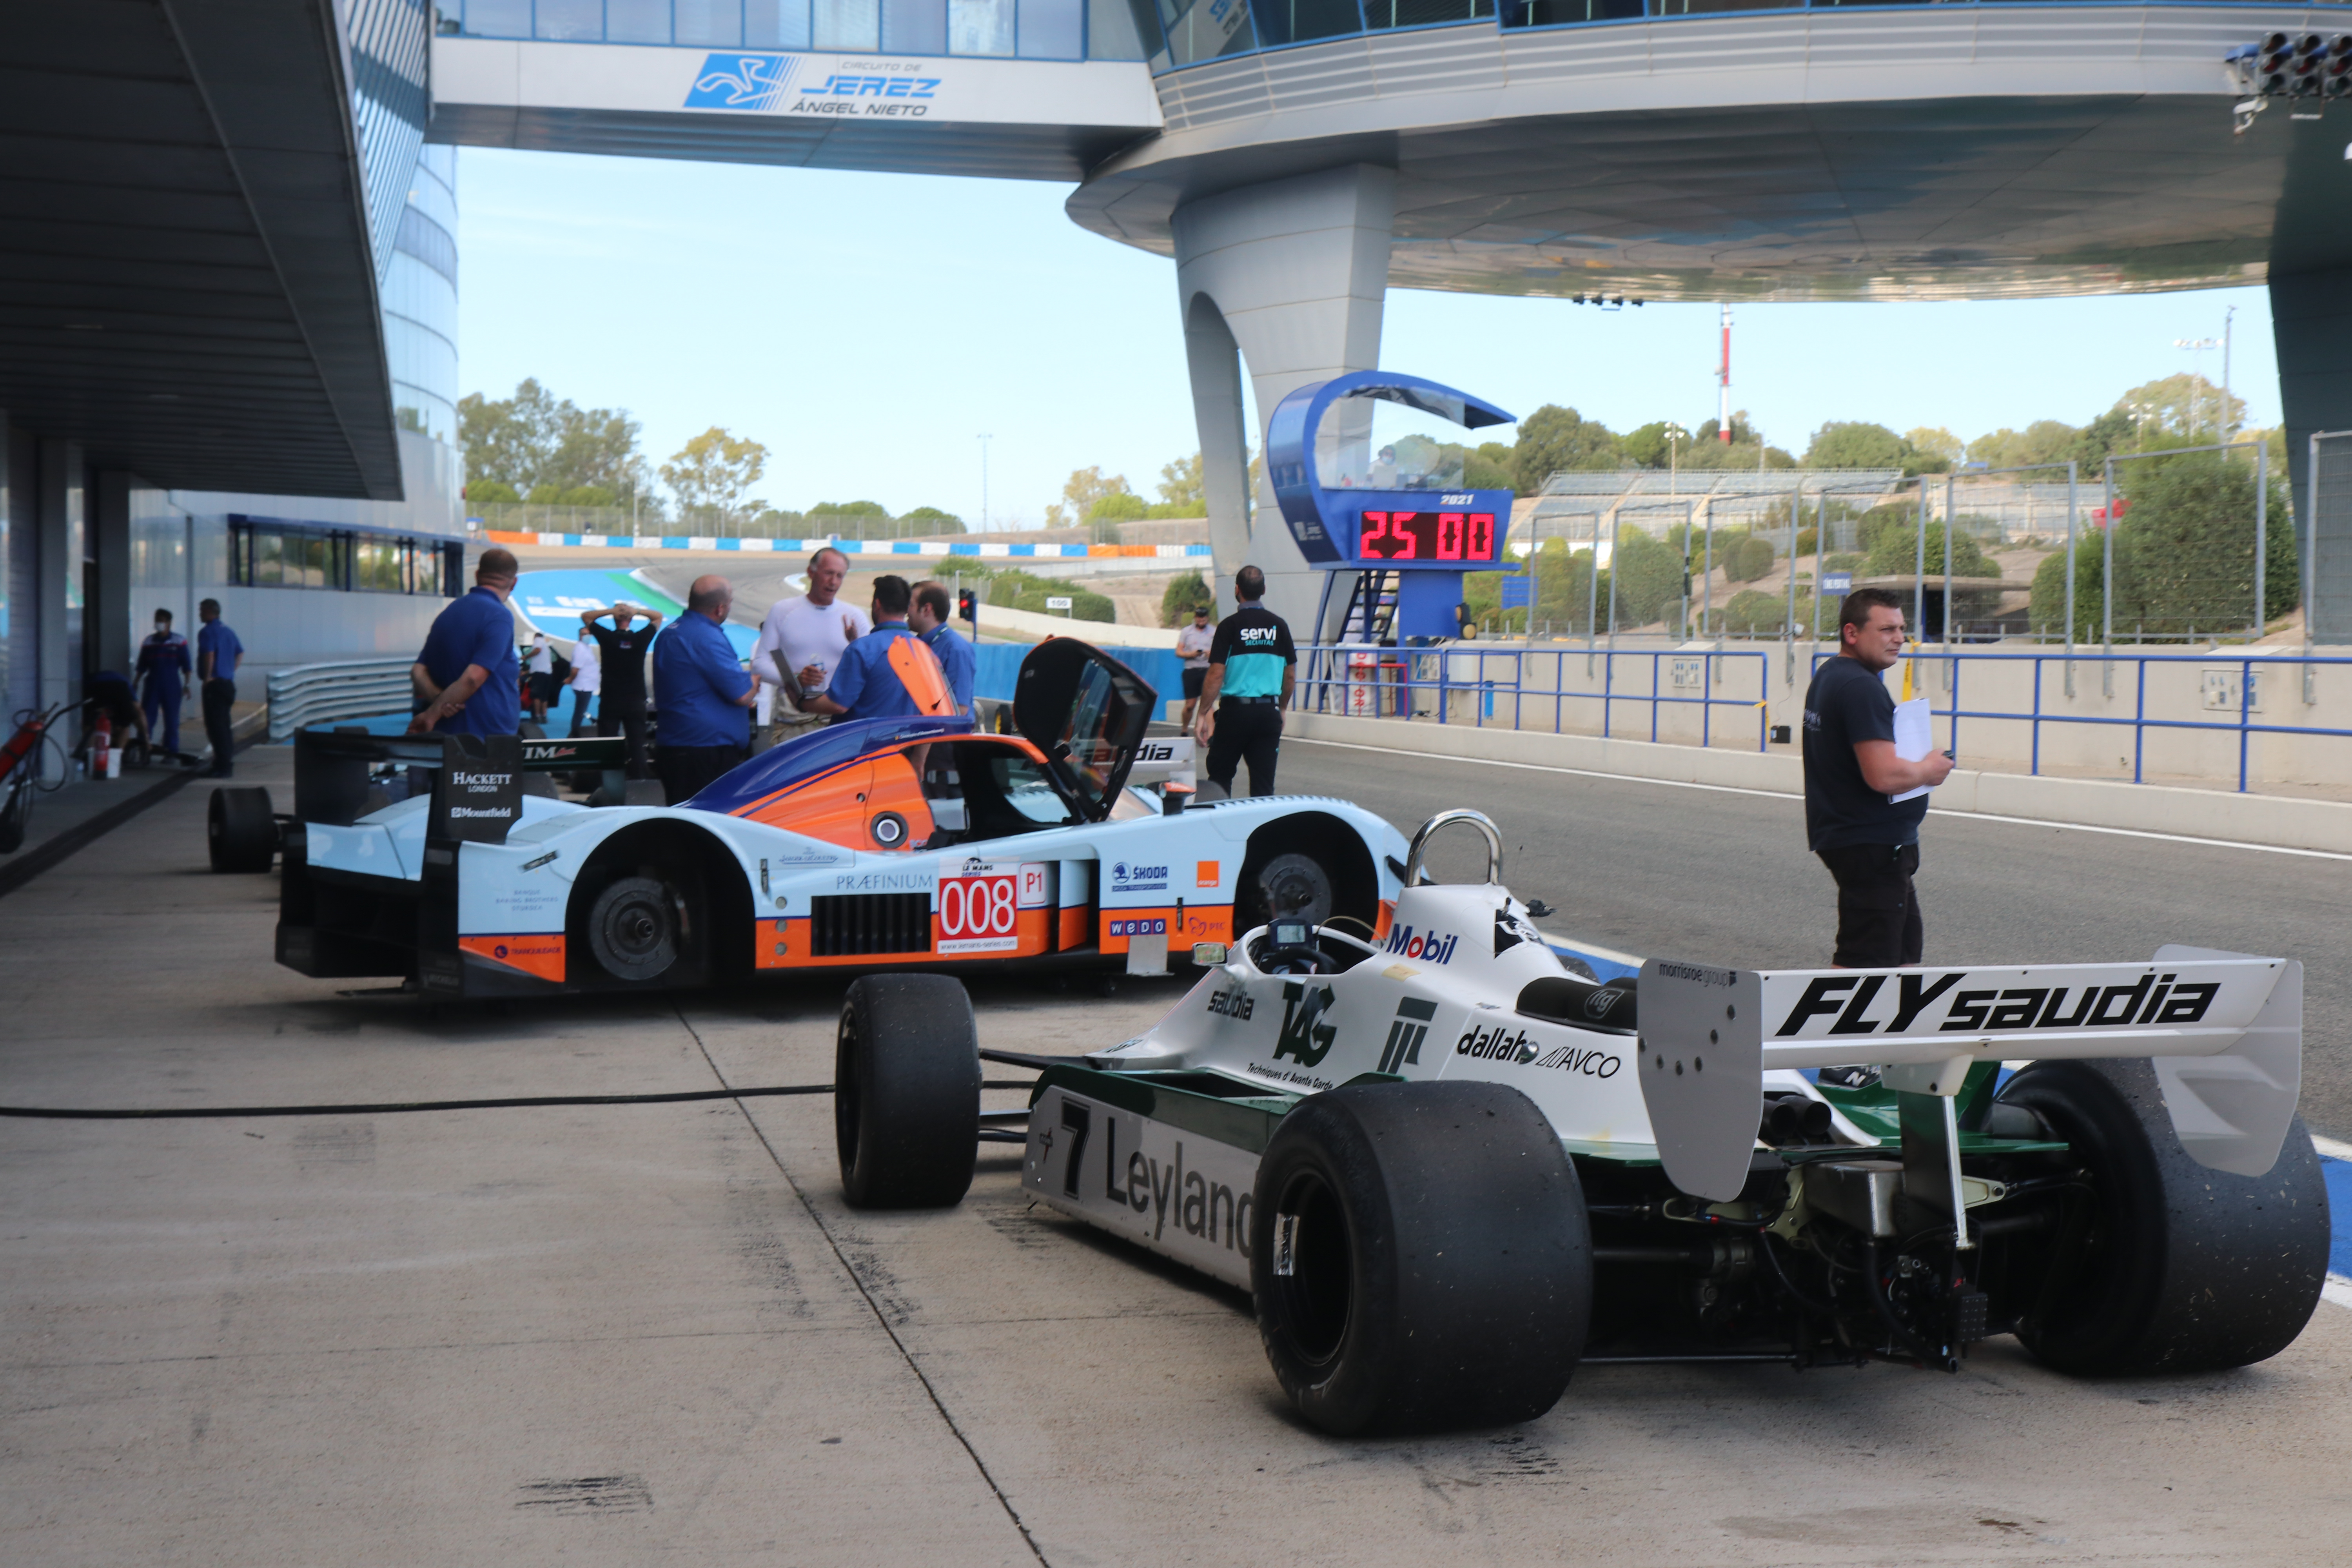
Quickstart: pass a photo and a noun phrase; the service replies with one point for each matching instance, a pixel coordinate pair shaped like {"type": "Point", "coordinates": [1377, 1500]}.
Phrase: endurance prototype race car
{"type": "Point", "coordinates": [880, 843]}
{"type": "Point", "coordinates": [1449, 1168]}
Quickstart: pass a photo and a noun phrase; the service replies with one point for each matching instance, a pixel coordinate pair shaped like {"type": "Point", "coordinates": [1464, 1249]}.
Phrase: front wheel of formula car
{"type": "Point", "coordinates": [2163, 1265]}
{"type": "Point", "coordinates": [239, 831]}
{"type": "Point", "coordinates": [1422, 1258]}
{"type": "Point", "coordinates": [906, 1092]}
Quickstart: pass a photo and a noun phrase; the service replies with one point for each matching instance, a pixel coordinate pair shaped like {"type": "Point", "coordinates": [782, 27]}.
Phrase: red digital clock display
{"type": "Point", "coordinates": [1426, 536]}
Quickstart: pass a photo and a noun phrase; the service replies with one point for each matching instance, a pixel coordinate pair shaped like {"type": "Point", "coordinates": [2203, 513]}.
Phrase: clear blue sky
{"type": "Point", "coordinates": [866, 328]}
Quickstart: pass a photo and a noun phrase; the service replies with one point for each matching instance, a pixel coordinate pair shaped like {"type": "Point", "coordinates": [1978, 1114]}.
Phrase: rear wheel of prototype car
{"type": "Point", "coordinates": [906, 1092]}
{"type": "Point", "coordinates": [1291, 886]}
{"type": "Point", "coordinates": [638, 928]}
{"type": "Point", "coordinates": [2167, 1266]}
{"type": "Point", "coordinates": [1420, 1258]}
{"type": "Point", "coordinates": [239, 830]}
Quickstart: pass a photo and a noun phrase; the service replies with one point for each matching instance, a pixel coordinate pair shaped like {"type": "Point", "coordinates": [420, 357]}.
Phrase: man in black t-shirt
{"type": "Point", "coordinates": [621, 650]}
{"type": "Point", "coordinates": [1870, 844]}
{"type": "Point", "coordinates": [1252, 667]}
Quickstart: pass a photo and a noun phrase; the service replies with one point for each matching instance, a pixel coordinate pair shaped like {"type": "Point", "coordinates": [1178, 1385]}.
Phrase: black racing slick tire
{"type": "Point", "coordinates": [239, 831]}
{"type": "Point", "coordinates": [906, 1092]}
{"type": "Point", "coordinates": [2165, 1265]}
{"type": "Point", "coordinates": [1422, 1258]}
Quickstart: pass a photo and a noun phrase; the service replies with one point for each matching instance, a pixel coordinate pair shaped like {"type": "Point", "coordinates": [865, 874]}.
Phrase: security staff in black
{"type": "Point", "coordinates": [1252, 666]}
{"type": "Point", "coordinates": [1869, 842]}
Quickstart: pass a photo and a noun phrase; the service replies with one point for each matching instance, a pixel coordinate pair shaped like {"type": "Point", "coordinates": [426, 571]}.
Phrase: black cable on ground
{"type": "Point", "coordinates": [396, 1108]}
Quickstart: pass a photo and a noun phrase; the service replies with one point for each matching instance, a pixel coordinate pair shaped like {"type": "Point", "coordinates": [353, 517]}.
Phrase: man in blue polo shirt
{"type": "Point", "coordinates": [218, 652]}
{"type": "Point", "coordinates": [703, 694]}
{"type": "Point", "coordinates": [467, 674]}
{"type": "Point", "coordinates": [928, 618]}
{"type": "Point", "coordinates": [887, 673]}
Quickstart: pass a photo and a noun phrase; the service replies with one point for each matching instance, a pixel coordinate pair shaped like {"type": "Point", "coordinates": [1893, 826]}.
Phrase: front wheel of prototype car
{"type": "Point", "coordinates": [906, 1092]}
{"type": "Point", "coordinates": [1291, 886]}
{"type": "Point", "coordinates": [239, 831]}
{"type": "Point", "coordinates": [1420, 1258]}
{"type": "Point", "coordinates": [2163, 1265]}
{"type": "Point", "coordinates": [636, 928]}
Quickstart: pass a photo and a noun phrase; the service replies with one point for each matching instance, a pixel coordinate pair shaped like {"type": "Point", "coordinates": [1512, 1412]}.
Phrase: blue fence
{"type": "Point", "coordinates": [2243, 723]}
{"type": "Point", "coordinates": [999, 666]}
{"type": "Point", "coordinates": [1367, 681]}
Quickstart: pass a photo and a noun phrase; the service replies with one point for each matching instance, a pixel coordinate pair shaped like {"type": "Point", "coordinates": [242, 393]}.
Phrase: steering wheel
{"type": "Point", "coordinates": [1292, 958]}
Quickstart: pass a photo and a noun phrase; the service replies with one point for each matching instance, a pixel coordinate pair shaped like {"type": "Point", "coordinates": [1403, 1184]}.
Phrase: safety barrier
{"type": "Point", "coordinates": [1368, 680]}
{"type": "Point", "coordinates": [2238, 695]}
{"type": "Point", "coordinates": [921, 547]}
{"type": "Point", "coordinates": [317, 693]}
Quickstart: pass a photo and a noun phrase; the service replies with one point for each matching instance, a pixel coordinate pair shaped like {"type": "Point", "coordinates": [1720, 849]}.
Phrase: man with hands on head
{"type": "Point", "coordinates": [1869, 841]}
{"type": "Point", "coordinates": [621, 660]}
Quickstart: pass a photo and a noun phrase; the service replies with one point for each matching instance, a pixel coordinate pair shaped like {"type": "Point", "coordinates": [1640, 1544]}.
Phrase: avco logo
{"type": "Point", "coordinates": [1435, 947]}
{"type": "Point", "coordinates": [1590, 1062]}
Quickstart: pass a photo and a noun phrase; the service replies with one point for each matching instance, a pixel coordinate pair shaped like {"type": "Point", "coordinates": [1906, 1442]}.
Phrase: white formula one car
{"type": "Point", "coordinates": [1447, 1178]}
{"type": "Point", "coordinates": [882, 844]}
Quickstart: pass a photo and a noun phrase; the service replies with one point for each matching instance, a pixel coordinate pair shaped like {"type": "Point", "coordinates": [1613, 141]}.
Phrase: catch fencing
{"type": "Point", "coordinates": [320, 693]}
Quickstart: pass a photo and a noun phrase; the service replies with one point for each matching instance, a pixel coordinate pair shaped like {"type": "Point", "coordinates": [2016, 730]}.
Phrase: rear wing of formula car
{"type": "Point", "coordinates": [477, 779]}
{"type": "Point", "coordinates": [2224, 1031]}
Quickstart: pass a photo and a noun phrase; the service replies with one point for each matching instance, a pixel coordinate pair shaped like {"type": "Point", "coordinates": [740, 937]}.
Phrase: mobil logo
{"type": "Point", "coordinates": [1431, 947]}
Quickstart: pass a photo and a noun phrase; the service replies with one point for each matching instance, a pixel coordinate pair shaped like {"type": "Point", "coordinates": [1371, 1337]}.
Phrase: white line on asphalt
{"type": "Point", "coordinates": [1776, 795]}
{"type": "Point", "coordinates": [2332, 1147]}
{"type": "Point", "coordinates": [2337, 1290]}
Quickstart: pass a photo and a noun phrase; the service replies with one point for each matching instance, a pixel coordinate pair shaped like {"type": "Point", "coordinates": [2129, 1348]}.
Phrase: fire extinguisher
{"type": "Point", "coordinates": [102, 740]}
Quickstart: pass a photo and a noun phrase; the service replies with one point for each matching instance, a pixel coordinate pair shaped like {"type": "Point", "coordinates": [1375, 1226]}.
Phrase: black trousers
{"type": "Point", "coordinates": [217, 695]}
{"type": "Point", "coordinates": [1245, 732]}
{"type": "Point", "coordinates": [687, 771]}
{"type": "Point", "coordinates": [583, 709]}
{"type": "Point", "coordinates": [626, 718]}
{"type": "Point", "coordinates": [1878, 907]}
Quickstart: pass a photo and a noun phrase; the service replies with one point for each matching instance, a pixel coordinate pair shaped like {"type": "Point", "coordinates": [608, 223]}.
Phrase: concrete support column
{"type": "Point", "coordinates": [1292, 276]}
{"type": "Point", "coordinates": [59, 583]}
{"type": "Point", "coordinates": [2311, 323]}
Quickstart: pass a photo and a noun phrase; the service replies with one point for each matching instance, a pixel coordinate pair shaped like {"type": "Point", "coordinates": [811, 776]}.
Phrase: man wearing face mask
{"type": "Point", "coordinates": [165, 668]}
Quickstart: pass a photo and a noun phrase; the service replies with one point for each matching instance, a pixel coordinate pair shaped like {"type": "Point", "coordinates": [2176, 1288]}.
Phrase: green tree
{"type": "Point", "coordinates": [2184, 554]}
{"type": "Point", "coordinates": [1645, 445]}
{"type": "Point", "coordinates": [1179, 486]}
{"type": "Point", "coordinates": [1553, 438]}
{"type": "Point", "coordinates": [2184, 406]}
{"type": "Point", "coordinates": [1186, 591]}
{"type": "Point", "coordinates": [2043, 441]}
{"type": "Point", "coordinates": [852, 519]}
{"type": "Point", "coordinates": [1020, 591]}
{"type": "Point", "coordinates": [1893, 553]}
{"type": "Point", "coordinates": [1855, 444]}
{"type": "Point", "coordinates": [716, 470]}
{"type": "Point", "coordinates": [931, 519]}
{"type": "Point", "coordinates": [489, 492]}
{"type": "Point", "coordinates": [1649, 575]}
{"type": "Point", "coordinates": [1120, 505]}
{"type": "Point", "coordinates": [1487, 467]}
{"type": "Point", "coordinates": [1745, 558]}
{"type": "Point", "coordinates": [1083, 491]}
{"type": "Point", "coordinates": [536, 438]}
{"type": "Point", "coordinates": [1935, 441]}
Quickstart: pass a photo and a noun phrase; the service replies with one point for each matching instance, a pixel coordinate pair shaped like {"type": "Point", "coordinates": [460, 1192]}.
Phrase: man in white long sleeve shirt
{"type": "Point", "coordinates": [801, 641]}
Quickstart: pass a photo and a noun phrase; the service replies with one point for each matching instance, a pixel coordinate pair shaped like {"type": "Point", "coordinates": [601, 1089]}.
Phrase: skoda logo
{"type": "Point", "coordinates": [1118, 869]}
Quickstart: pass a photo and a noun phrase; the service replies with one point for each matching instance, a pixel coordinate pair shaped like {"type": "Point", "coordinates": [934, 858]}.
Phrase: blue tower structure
{"type": "Point", "coordinates": [1355, 504]}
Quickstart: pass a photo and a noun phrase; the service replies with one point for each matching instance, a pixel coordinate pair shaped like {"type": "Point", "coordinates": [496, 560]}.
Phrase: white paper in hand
{"type": "Point", "coordinates": [1915, 737]}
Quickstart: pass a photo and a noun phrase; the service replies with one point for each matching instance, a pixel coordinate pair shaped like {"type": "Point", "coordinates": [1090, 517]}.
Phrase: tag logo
{"type": "Point", "coordinates": [1304, 1039]}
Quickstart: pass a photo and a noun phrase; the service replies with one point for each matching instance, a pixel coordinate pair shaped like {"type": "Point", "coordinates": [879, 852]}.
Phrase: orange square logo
{"type": "Point", "coordinates": [1204, 874]}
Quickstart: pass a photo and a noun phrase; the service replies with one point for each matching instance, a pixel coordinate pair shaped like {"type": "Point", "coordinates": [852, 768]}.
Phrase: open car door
{"type": "Point", "coordinates": [1087, 712]}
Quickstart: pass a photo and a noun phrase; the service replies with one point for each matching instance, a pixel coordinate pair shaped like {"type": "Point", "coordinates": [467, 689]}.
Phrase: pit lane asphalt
{"type": "Point", "coordinates": [1724, 877]}
{"type": "Point", "coordinates": [610, 1334]}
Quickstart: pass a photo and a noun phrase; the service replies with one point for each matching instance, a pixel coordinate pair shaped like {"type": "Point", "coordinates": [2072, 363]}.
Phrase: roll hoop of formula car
{"type": "Point", "coordinates": [1449, 1168]}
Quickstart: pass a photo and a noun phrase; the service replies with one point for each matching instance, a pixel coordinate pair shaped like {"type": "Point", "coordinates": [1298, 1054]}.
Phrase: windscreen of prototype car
{"type": "Point", "coordinates": [1028, 790]}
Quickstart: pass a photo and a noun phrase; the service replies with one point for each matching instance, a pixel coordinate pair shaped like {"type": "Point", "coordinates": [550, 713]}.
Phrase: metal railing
{"type": "Point", "coordinates": [315, 693]}
{"type": "Point", "coordinates": [1369, 680]}
{"type": "Point", "coordinates": [2248, 696]}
